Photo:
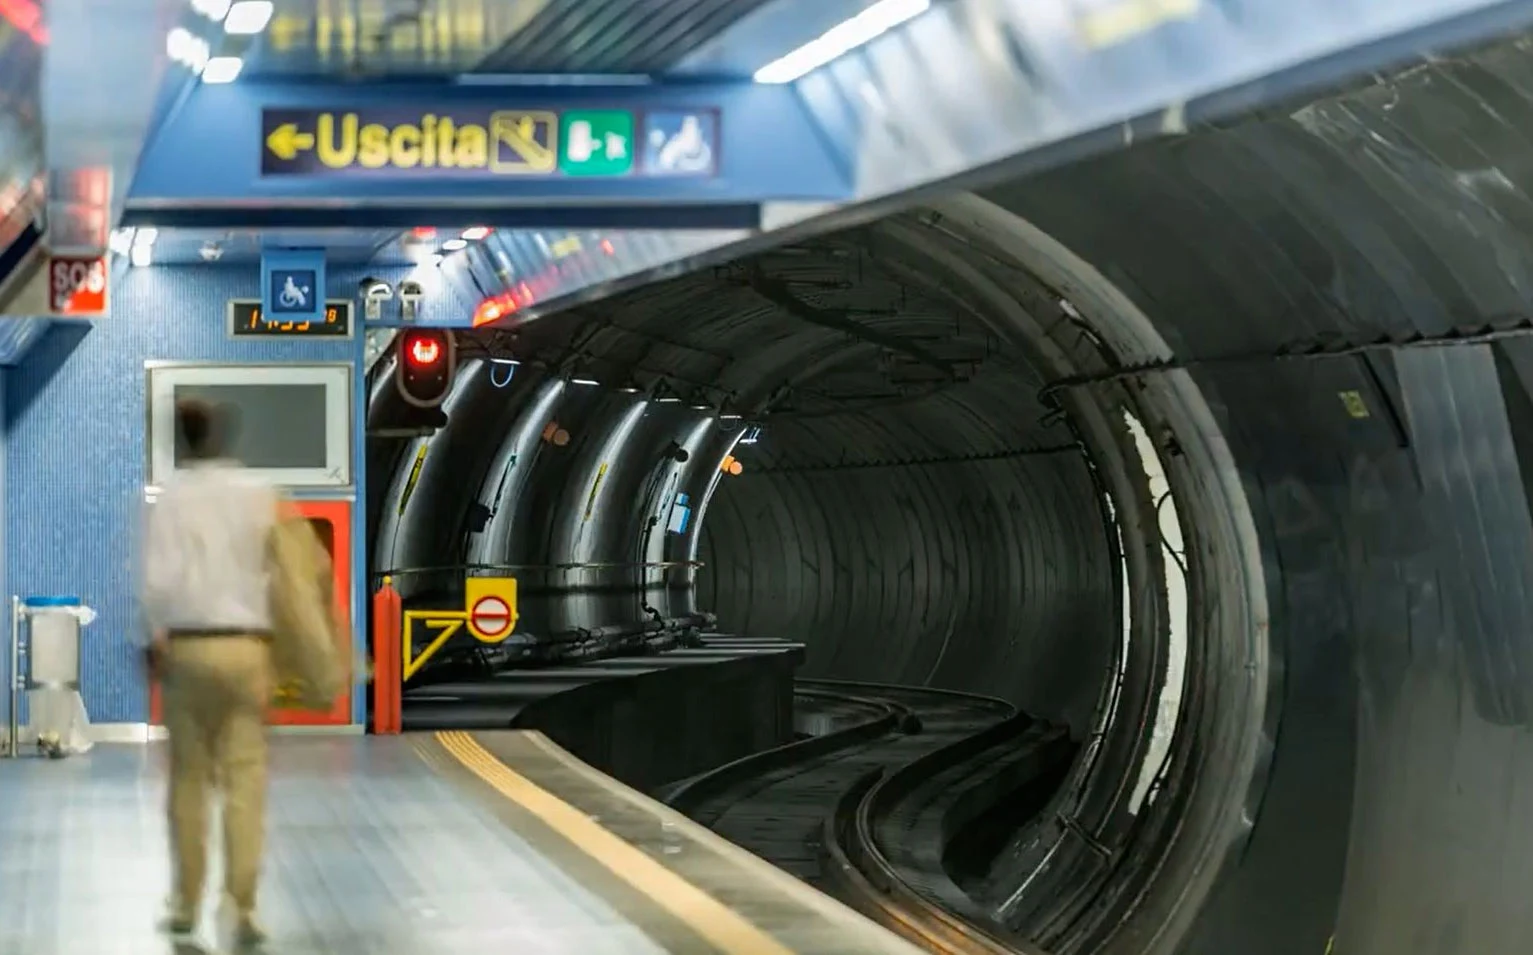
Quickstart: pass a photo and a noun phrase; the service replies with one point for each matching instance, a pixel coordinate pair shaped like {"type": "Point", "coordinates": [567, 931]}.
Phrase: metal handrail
{"type": "Point", "coordinates": [398, 572]}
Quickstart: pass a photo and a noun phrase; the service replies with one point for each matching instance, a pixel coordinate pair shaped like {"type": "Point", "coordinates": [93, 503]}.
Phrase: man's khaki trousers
{"type": "Point", "coordinates": [216, 690]}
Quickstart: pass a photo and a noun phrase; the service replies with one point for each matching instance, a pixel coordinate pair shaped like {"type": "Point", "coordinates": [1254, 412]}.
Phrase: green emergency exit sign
{"type": "Point", "coordinates": [596, 142]}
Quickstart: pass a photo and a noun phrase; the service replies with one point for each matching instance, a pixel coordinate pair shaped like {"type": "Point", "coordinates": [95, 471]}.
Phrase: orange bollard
{"type": "Point", "coordinates": [388, 615]}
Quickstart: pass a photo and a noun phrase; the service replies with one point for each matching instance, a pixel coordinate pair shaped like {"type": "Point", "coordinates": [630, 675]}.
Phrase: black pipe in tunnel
{"type": "Point", "coordinates": [1307, 311]}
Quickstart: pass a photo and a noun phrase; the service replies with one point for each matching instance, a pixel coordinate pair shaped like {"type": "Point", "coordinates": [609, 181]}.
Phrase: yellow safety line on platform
{"type": "Point", "coordinates": [711, 919]}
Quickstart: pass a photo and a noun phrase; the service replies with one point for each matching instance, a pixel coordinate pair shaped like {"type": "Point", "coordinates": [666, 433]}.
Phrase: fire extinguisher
{"type": "Point", "coordinates": [388, 615]}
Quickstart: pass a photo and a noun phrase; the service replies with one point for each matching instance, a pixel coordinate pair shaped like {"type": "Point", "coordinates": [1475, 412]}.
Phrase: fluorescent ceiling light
{"type": "Point", "coordinates": [222, 69]}
{"type": "Point", "coordinates": [142, 256]}
{"type": "Point", "coordinates": [185, 48]}
{"type": "Point", "coordinates": [842, 38]}
{"type": "Point", "coordinates": [476, 233]}
{"type": "Point", "coordinates": [504, 361]}
{"type": "Point", "coordinates": [248, 17]}
{"type": "Point", "coordinates": [583, 381]}
{"type": "Point", "coordinates": [453, 245]}
{"type": "Point", "coordinates": [145, 236]}
{"type": "Point", "coordinates": [214, 10]}
{"type": "Point", "coordinates": [120, 241]}
{"type": "Point", "coordinates": [729, 417]}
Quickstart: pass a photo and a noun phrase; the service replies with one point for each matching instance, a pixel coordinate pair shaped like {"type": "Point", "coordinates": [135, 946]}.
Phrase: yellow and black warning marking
{"type": "Point", "coordinates": [1354, 404]}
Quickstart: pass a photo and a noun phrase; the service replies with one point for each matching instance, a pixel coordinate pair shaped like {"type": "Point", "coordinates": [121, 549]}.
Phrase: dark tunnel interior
{"type": "Point", "coordinates": [1317, 314]}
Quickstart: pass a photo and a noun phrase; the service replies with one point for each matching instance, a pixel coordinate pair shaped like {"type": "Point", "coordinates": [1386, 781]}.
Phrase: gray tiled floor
{"type": "Point", "coordinates": [370, 852]}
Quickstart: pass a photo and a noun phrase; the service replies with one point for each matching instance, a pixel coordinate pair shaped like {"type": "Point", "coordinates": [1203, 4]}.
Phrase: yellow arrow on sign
{"type": "Point", "coordinates": [286, 142]}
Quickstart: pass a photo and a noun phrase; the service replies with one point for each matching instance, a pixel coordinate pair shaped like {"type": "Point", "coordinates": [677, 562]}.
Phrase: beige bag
{"type": "Point", "coordinates": [310, 667]}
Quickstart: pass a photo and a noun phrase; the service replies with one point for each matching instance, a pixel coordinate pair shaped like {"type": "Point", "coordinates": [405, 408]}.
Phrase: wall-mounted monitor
{"type": "Point", "coordinates": [292, 422]}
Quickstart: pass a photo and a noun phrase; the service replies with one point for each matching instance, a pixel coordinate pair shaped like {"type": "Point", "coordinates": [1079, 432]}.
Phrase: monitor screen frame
{"type": "Point", "coordinates": [162, 378]}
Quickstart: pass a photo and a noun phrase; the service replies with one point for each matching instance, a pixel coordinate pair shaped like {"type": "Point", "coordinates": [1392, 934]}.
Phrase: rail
{"type": "Point", "coordinates": [867, 877]}
{"type": "Point", "coordinates": [890, 718]}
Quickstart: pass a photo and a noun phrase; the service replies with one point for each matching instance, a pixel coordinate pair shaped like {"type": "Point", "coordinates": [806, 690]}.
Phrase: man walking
{"type": "Point", "coordinates": [207, 607]}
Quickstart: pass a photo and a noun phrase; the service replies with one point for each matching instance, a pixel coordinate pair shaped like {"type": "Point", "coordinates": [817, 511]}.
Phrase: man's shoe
{"type": "Point", "coordinates": [241, 932]}
{"type": "Point", "coordinates": [178, 925]}
{"type": "Point", "coordinates": [249, 935]}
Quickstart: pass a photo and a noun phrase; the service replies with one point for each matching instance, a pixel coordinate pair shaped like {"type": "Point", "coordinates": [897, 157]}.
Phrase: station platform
{"type": "Point", "coordinates": [448, 842]}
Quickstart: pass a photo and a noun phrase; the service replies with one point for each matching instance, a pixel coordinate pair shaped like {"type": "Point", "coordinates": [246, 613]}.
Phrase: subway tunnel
{"type": "Point", "coordinates": [1317, 316]}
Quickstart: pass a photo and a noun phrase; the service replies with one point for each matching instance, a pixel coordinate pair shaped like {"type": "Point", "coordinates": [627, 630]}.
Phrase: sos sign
{"type": "Point", "coordinates": [77, 285]}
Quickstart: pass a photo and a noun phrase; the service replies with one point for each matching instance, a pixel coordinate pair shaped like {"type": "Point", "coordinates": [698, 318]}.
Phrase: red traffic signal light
{"type": "Point", "coordinates": [427, 358]}
{"type": "Point", "coordinates": [423, 351]}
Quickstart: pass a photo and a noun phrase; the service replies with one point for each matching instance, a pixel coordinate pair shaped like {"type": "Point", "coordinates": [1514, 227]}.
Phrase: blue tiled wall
{"type": "Point", "coordinates": [75, 453]}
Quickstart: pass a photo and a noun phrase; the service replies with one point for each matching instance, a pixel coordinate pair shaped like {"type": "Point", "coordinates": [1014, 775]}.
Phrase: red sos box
{"type": "Point", "coordinates": [332, 522]}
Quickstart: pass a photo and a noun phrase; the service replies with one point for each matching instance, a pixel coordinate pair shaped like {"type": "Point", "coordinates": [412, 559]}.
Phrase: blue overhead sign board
{"type": "Point", "coordinates": [489, 144]}
{"type": "Point", "coordinates": [251, 148]}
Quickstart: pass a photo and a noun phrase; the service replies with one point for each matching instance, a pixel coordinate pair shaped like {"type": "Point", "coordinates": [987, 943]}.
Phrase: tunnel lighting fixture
{"type": "Point", "coordinates": [476, 233]}
{"type": "Point", "coordinates": [629, 389]}
{"type": "Point", "coordinates": [453, 245]}
{"type": "Point", "coordinates": [145, 237]}
{"type": "Point", "coordinates": [699, 406]}
{"type": "Point", "coordinates": [841, 39]}
{"type": "Point", "coordinates": [248, 17]}
{"type": "Point", "coordinates": [668, 399]}
{"type": "Point", "coordinates": [729, 417]}
{"type": "Point", "coordinates": [214, 10]}
{"type": "Point", "coordinates": [222, 69]}
{"type": "Point", "coordinates": [142, 256]}
{"type": "Point", "coordinates": [584, 381]}
{"type": "Point", "coordinates": [504, 361]}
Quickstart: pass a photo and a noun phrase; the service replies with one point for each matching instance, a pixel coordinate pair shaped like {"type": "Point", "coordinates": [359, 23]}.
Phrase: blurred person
{"type": "Point", "coordinates": [227, 569]}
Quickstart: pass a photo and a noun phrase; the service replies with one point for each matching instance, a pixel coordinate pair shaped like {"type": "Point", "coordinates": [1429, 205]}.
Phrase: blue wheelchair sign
{"type": "Point", "coordinates": [292, 291]}
{"type": "Point", "coordinates": [293, 285]}
{"type": "Point", "coordinates": [681, 144]}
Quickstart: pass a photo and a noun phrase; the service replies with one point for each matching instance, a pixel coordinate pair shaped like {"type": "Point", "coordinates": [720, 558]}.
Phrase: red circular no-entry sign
{"type": "Point", "coordinates": [491, 616]}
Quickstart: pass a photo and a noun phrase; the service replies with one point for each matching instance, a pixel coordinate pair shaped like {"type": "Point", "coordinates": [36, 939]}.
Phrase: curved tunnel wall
{"type": "Point", "coordinates": [1387, 485]}
{"type": "Point", "coordinates": [989, 576]}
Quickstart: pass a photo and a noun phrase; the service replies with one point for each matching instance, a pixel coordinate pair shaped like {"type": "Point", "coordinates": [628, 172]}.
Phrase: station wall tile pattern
{"type": "Point", "coordinates": [75, 448]}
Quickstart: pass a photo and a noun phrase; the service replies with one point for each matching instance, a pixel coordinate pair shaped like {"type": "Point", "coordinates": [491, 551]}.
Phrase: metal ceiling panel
{"type": "Point", "coordinates": [396, 37]}
{"type": "Point", "coordinates": [447, 37]}
{"type": "Point", "coordinates": [602, 36]}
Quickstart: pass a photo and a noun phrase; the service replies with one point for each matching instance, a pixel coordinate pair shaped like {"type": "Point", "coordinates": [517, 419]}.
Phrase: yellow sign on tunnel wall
{"type": "Point", "coordinates": [489, 612]}
{"type": "Point", "coordinates": [491, 606]}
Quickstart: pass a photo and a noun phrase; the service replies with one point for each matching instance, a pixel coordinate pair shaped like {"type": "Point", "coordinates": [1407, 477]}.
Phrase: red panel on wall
{"type": "Point", "coordinates": [332, 522]}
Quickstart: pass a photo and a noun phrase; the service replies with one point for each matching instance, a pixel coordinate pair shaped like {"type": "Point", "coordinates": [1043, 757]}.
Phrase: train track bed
{"type": "Point", "coordinates": [776, 804]}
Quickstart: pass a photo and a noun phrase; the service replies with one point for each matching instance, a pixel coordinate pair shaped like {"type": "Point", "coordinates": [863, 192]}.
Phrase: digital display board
{"type": "Point", "coordinates": [246, 321]}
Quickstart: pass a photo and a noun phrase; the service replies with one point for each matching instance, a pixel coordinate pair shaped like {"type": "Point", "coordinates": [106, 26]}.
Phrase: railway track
{"type": "Point", "coordinates": [863, 804]}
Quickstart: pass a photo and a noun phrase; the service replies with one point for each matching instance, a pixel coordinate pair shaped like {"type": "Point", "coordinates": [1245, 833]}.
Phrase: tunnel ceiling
{"type": "Point", "coordinates": [858, 322]}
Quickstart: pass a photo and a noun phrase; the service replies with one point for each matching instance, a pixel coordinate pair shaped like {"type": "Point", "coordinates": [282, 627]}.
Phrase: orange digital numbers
{"type": "Point", "coordinates": [246, 320]}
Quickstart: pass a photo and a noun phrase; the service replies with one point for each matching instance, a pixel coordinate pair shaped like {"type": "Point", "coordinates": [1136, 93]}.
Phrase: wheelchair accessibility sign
{"type": "Point", "coordinates": [293, 285]}
{"type": "Point", "coordinates": [681, 144]}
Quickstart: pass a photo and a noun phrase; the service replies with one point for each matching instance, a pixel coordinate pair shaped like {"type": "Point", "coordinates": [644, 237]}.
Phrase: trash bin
{"type": "Point", "coordinates": [56, 710]}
